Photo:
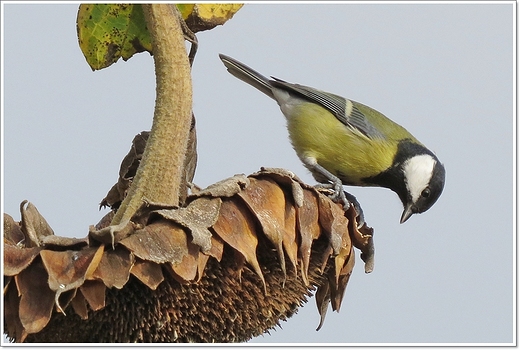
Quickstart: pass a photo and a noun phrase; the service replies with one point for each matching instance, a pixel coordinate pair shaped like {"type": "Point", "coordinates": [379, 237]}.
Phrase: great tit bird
{"type": "Point", "coordinates": [343, 142]}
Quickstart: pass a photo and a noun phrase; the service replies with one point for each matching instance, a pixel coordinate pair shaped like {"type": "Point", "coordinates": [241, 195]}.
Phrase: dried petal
{"type": "Point", "coordinates": [33, 225]}
{"type": "Point", "coordinates": [12, 231]}
{"type": "Point", "coordinates": [202, 261]}
{"type": "Point", "coordinates": [341, 259]}
{"type": "Point", "coordinates": [325, 257]}
{"type": "Point", "coordinates": [127, 171]}
{"type": "Point", "coordinates": [79, 304]}
{"type": "Point", "coordinates": [64, 242]}
{"type": "Point", "coordinates": [289, 238]}
{"type": "Point", "coordinates": [148, 272]}
{"type": "Point", "coordinates": [225, 188]}
{"type": "Point", "coordinates": [113, 198]}
{"type": "Point", "coordinates": [36, 298]}
{"type": "Point", "coordinates": [114, 267]}
{"type": "Point", "coordinates": [11, 316]}
{"type": "Point", "coordinates": [322, 301]}
{"type": "Point", "coordinates": [308, 226]}
{"type": "Point", "coordinates": [197, 217]}
{"type": "Point", "coordinates": [217, 247]}
{"type": "Point", "coordinates": [162, 241]}
{"type": "Point", "coordinates": [190, 163]}
{"type": "Point", "coordinates": [69, 269]}
{"type": "Point", "coordinates": [342, 282]}
{"type": "Point", "coordinates": [94, 293]}
{"type": "Point", "coordinates": [240, 262]}
{"type": "Point", "coordinates": [105, 221]}
{"type": "Point", "coordinates": [63, 300]}
{"type": "Point", "coordinates": [284, 177]}
{"type": "Point", "coordinates": [236, 227]}
{"type": "Point", "coordinates": [362, 238]}
{"type": "Point", "coordinates": [17, 259]}
{"type": "Point", "coordinates": [267, 201]}
{"type": "Point", "coordinates": [188, 267]}
{"type": "Point", "coordinates": [338, 277]}
{"type": "Point", "coordinates": [335, 224]}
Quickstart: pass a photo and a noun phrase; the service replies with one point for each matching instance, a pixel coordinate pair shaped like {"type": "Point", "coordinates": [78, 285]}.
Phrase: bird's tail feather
{"type": "Point", "coordinates": [247, 74]}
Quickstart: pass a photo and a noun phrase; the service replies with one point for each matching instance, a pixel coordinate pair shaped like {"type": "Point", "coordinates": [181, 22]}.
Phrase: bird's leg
{"type": "Point", "coordinates": [335, 183]}
{"type": "Point", "coordinates": [339, 195]}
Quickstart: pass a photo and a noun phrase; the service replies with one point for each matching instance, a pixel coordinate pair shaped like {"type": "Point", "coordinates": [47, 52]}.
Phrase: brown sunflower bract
{"type": "Point", "coordinates": [238, 258]}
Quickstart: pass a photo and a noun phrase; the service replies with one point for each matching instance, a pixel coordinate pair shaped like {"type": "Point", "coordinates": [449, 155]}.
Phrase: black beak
{"type": "Point", "coordinates": [407, 212]}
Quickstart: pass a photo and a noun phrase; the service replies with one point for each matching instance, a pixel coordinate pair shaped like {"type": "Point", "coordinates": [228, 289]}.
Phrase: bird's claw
{"type": "Point", "coordinates": [357, 207]}
{"type": "Point", "coordinates": [346, 198]}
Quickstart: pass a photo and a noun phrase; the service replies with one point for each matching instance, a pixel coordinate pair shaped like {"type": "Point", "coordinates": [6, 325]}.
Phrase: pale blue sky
{"type": "Point", "coordinates": [442, 70]}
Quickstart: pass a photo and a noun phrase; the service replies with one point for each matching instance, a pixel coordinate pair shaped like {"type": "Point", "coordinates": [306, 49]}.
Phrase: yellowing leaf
{"type": "Point", "coordinates": [205, 16]}
{"type": "Point", "coordinates": [220, 12]}
{"type": "Point", "coordinates": [107, 32]}
{"type": "Point", "coordinates": [185, 9]}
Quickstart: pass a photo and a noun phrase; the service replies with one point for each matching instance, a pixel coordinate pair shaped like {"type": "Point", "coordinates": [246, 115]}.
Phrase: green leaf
{"type": "Point", "coordinates": [107, 32]}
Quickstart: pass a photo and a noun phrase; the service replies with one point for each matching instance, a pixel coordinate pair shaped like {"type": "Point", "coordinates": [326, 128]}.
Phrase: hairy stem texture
{"type": "Point", "coordinates": [159, 175]}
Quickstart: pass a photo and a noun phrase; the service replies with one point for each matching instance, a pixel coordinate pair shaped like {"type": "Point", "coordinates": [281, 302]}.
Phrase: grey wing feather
{"type": "Point", "coordinates": [360, 121]}
{"type": "Point", "coordinates": [336, 105]}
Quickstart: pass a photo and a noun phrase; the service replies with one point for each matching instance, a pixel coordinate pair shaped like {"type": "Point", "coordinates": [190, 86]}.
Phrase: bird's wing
{"type": "Point", "coordinates": [337, 105]}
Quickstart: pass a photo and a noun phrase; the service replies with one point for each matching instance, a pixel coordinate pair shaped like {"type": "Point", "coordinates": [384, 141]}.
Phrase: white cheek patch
{"type": "Point", "coordinates": [418, 172]}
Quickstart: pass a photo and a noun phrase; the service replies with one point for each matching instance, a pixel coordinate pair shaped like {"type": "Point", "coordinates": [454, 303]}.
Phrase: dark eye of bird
{"type": "Point", "coordinates": [425, 193]}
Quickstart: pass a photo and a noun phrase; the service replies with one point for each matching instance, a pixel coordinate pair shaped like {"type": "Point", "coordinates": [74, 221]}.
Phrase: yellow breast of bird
{"type": "Point", "coordinates": [344, 151]}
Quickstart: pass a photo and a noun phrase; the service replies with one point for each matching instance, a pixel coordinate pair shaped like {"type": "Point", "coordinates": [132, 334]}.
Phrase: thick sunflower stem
{"type": "Point", "coordinates": [159, 175]}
